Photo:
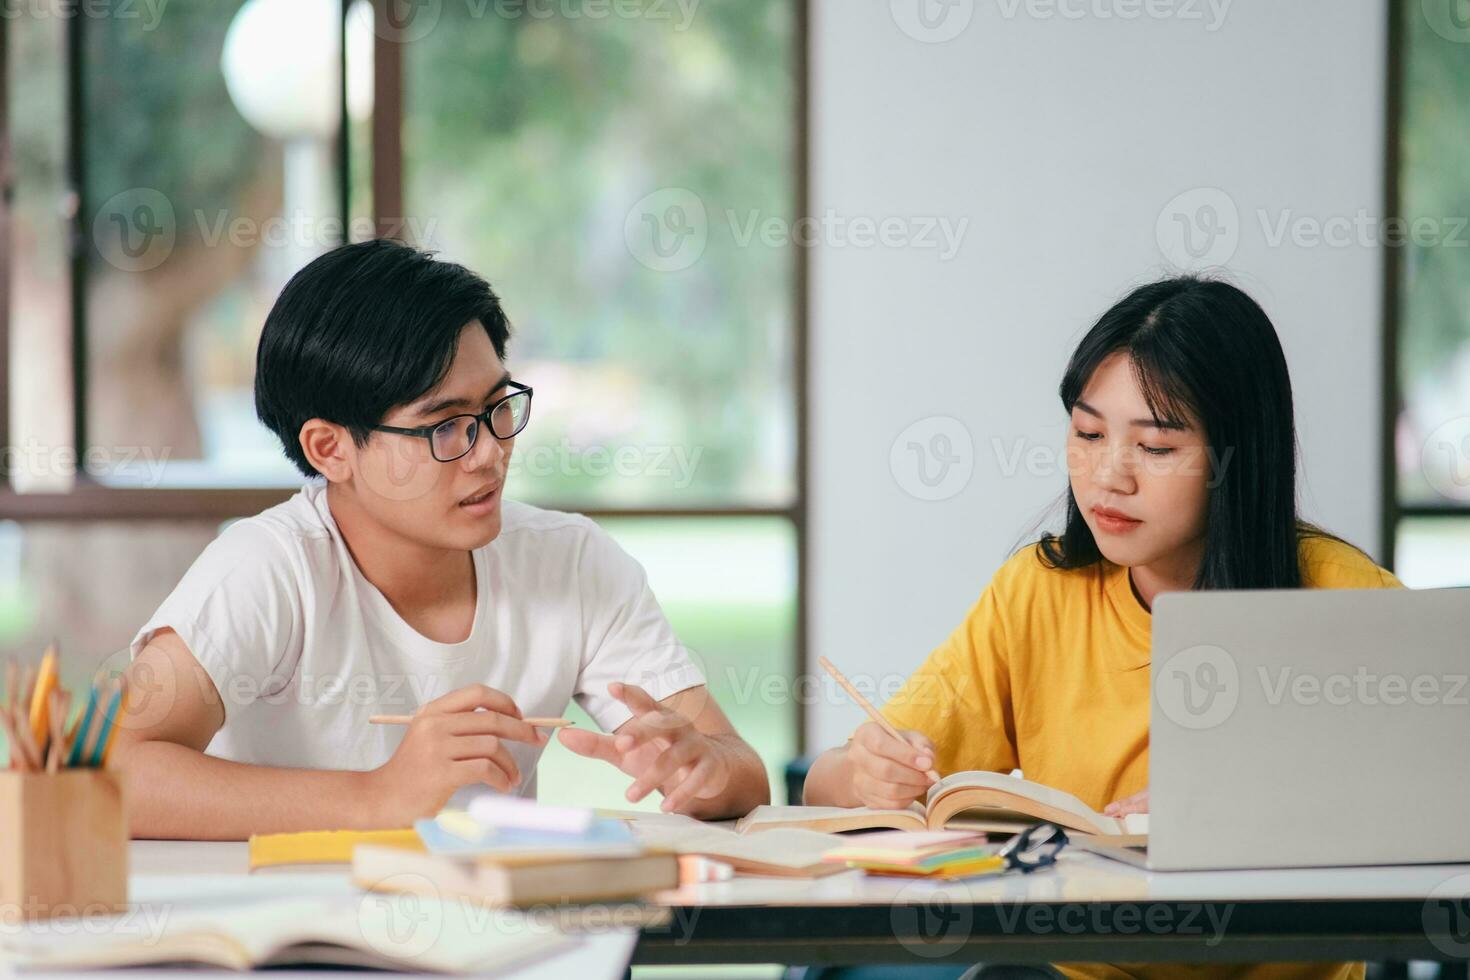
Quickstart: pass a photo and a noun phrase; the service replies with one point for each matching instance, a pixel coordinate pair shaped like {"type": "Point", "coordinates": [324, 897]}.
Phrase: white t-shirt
{"type": "Point", "coordinates": [303, 649]}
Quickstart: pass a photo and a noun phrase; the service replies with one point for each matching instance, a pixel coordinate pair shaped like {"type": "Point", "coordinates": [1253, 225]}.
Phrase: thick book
{"type": "Point", "coordinates": [383, 932]}
{"type": "Point", "coordinates": [512, 879]}
{"type": "Point", "coordinates": [964, 800]}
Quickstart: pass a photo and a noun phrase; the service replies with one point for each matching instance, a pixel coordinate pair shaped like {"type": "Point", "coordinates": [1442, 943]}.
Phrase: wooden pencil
{"type": "Point", "coordinates": [533, 722]}
{"type": "Point", "coordinates": [867, 706]}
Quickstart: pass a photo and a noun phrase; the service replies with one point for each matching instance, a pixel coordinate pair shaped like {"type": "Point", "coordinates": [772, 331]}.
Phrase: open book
{"type": "Point", "coordinates": [392, 932]}
{"type": "Point", "coordinates": [964, 800]}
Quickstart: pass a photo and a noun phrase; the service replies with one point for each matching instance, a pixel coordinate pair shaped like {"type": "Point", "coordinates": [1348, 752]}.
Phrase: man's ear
{"type": "Point", "coordinates": [329, 448]}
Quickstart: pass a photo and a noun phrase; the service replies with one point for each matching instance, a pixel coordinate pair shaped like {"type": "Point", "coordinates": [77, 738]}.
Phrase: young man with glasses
{"type": "Point", "coordinates": [398, 581]}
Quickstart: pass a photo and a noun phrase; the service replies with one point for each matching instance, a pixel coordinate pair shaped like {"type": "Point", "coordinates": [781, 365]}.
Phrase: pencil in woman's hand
{"type": "Point", "coordinates": [867, 706]}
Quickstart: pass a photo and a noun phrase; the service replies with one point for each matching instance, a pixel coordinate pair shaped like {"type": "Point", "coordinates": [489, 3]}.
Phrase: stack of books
{"type": "Point", "coordinates": [508, 851]}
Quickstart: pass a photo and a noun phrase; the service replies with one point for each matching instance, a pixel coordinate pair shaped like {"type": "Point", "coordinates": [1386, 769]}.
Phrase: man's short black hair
{"type": "Point", "coordinates": [361, 330]}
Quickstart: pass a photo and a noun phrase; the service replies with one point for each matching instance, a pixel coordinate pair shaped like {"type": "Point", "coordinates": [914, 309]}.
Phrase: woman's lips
{"type": "Point", "coordinates": [1113, 522]}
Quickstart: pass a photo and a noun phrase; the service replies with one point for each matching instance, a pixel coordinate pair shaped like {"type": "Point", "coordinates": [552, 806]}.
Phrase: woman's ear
{"type": "Point", "coordinates": [328, 447]}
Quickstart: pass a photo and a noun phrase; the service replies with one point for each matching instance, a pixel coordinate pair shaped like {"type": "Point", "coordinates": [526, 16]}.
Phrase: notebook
{"type": "Point", "coordinates": [386, 932]}
{"type": "Point", "coordinates": [964, 800]}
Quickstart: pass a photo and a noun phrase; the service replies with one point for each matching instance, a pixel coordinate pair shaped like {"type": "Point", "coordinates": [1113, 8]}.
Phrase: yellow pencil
{"type": "Point", "coordinates": [41, 698]}
{"type": "Point", "coordinates": [863, 703]}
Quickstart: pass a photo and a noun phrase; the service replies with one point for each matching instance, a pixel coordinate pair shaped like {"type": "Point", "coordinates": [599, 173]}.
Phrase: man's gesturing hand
{"type": "Point", "coordinates": [660, 748]}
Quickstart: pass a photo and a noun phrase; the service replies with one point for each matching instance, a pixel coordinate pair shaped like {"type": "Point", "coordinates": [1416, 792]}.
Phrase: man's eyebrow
{"type": "Point", "coordinates": [444, 404]}
{"type": "Point", "coordinates": [1161, 424]}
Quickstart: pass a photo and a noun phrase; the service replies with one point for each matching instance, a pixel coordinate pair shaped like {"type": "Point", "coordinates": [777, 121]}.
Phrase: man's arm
{"type": "Point", "coordinates": [685, 747]}
{"type": "Point", "coordinates": [175, 791]}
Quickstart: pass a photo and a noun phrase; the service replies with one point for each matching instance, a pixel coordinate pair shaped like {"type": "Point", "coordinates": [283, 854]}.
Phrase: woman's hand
{"type": "Point", "coordinates": [888, 774]}
{"type": "Point", "coordinates": [1137, 803]}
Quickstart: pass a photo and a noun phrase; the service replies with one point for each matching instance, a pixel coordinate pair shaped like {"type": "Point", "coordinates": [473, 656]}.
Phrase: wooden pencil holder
{"type": "Point", "coordinates": [63, 843]}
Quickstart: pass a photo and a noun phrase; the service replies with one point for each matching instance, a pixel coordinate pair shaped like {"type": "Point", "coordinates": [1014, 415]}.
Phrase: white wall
{"type": "Point", "coordinates": [1060, 135]}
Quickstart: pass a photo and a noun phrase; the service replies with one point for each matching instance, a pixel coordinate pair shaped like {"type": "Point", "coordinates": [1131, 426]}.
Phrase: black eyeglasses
{"type": "Point", "coordinates": [1033, 848]}
{"type": "Point", "coordinates": [452, 438]}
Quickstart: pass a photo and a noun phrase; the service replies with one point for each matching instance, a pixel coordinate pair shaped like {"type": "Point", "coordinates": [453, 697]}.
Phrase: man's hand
{"type": "Point", "coordinates": [453, 741]}
{"type": "Point", "coordinates": [1137, 803]}
{"type": "Point", "coordinates": [888, 774]}
{"type": "Point", "coordinates": [661, 748]}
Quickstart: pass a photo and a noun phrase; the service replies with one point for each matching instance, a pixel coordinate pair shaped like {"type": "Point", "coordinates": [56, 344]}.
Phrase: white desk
{"type": "Point", "coordinates": [169, 875]}
{"type": "Point", "coordinates": [1087, 908]}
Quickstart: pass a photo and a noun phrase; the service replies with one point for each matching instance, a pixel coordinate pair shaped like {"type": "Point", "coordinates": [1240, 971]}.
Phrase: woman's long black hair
{"type": "Point", "coordinates": [1203, 347]}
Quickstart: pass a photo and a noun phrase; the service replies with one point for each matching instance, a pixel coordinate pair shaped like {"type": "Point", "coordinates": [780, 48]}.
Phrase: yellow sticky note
{"type": "Point", "coordinates": [323, 846]}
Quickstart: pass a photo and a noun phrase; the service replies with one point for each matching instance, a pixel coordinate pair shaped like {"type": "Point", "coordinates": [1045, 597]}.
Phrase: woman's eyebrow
{"type": "Point", "coordinates": [1167, 425]}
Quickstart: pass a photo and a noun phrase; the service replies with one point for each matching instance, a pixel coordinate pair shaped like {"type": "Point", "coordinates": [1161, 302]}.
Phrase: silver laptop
{"type": "Point", "coordinates": [1308, 728]}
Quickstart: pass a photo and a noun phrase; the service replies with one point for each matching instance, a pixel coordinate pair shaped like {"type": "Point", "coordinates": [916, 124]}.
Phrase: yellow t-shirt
{"type": "Point", "coordinates": [1049, 674]}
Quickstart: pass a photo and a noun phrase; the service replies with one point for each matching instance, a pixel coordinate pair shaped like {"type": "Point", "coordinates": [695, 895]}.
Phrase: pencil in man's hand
{"type": "Point", "coordinates": [867, 706]}
{"type": "Point", "coordinates": [533, 722]}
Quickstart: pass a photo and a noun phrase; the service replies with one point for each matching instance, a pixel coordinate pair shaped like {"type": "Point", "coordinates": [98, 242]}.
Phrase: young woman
{"type": "Point", "coordinates": [1182, 470]}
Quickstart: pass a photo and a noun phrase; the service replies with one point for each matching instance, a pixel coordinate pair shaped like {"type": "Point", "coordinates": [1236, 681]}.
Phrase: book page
{"type": "Point", "coordinates": [830, 819]}
{"type": "Point", "coordinates": [1024, 790]}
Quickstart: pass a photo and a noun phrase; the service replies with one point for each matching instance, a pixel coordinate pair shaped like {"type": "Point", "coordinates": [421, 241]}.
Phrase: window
{"type": "Point", "coordinates": [198, 159]}
{"type": "Point", "coordinates": [1428, 497]}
